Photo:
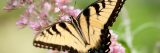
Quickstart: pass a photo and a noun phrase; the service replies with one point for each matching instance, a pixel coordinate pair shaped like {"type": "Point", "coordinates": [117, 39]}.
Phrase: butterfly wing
{"type": "Point", "coordinates": [60, 36]}
{"type": "Point", "coordinates": [95, 20]}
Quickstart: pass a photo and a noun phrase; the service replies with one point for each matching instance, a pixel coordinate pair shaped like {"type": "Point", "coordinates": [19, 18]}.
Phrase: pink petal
{"type": "Point", "coordinates": [44, 22]}
{"type": "Point", "coordinates": [47, 6]}
{"type": "Point", "coordinates": [31, 8]}
{"type": "Point", "coordinates": [22, 22]}
{"type": "Point", "coordinates": [35, 26]}
{"type": "Point", "coordinates": [64, 18]}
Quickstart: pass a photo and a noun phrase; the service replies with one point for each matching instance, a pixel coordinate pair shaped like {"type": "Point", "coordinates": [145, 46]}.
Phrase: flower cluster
{"type": "Point", "coordinates": [39, 14]}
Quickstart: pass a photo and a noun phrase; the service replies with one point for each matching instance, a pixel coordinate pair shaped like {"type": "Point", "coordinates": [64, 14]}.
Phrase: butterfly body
{"type": "Point", "coordinates": [88, 33]}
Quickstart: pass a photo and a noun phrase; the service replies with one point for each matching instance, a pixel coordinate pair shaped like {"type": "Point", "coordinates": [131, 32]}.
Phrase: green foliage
{"type": "Point", "coordinates": [124, 44]}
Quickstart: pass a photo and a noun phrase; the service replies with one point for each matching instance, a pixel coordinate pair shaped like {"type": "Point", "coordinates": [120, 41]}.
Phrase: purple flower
{"type": "Point", "coordinates": [30, 8]}
{"type": "Point", "coordinates": [38, 16]}
{"type": "Point", "coordinates": [56, 9]}
{"type": "Point", "coordinates": [44, 23]}
{"type": "Point", "coordinates": [46, 7]}
{"type": "Point", "coordinates": [35, 25]}
{"type": "Point", "coordinates": [62, 2]}
{"type": "Point", "coordinates": [11, 5]}
{"type": "Point", "coordinates": [22, 22]}
{"type": "Point", "coordinates": [70, 10]}
{"type": "Point", "coordinates": [75, 13]}
{"type": "Point", "coordinates": [64, 18]}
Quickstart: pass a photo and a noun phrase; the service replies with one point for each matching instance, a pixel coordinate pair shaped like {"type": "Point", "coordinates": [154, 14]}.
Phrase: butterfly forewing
{"type": "Point", "coordinates": [93, 20]}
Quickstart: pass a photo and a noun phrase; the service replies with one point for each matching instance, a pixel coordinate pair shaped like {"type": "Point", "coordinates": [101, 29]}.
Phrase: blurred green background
{"type": "Point", "coordinates": [144, 17]}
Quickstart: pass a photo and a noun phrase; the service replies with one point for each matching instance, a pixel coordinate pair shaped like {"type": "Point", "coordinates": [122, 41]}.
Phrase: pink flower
{"type": "Point", "coordinates": [56, 9]}
{"type": "Point", "coordinates": [15, 3]}
{"type": "Point", "coordinates": [75, 13]}
{"type": "Point", "coordinates": [11, 5]}
{"type": "Point", "coordinates": [30, 8]}
{"type": "Point", "coordinates": [64, 18]}
{"type": "Point", "coordinates": [40, 12]}
{"type": "Point", "coordinates": [44, 23]}
{"type": "Point", "coordinates": [29, 1]}
{"type": "Point", "coordinates": [62, 2]}
{"type": "Point", "coordinates": [118, 49]}
{"type": "Point", "coordinates": [22, 22]}
{"type": "Point", "coordinates": [47, 7]}
{"type": "Point", "coordinates": [63, 8]}
{"type": "Point", "coordinates": [43, 20]}
{"type": "Point", "coordinates": [35, 25]}
{"type": "Point", "coordinates": [70, 10]}
{"type": "Point", "coordinates": [115, 47]}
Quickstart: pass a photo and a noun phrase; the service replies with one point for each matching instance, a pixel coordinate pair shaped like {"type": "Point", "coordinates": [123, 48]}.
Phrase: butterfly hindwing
{"type": "Point", "coordinates": [57, 36]}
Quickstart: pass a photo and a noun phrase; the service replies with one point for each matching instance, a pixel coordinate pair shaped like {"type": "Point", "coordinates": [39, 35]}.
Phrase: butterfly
{"type": "Point", "coordinates": [88, 33]}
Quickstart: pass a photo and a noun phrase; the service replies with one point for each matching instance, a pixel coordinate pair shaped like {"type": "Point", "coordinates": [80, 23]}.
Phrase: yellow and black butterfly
{"type": "Point", "coordinates": [89, 33]}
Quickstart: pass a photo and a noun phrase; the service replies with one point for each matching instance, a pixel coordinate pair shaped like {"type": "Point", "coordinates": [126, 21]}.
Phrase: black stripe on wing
{"type": "Point", "coordinates": [49, 31]}
{"type": "Point", "coordinates": [54, 47]}
{"type": "Point", "coordinates": [64, 26]}
{"type": "Point", "coordinates": [96, 6]}
{"type": "Point", "coordinates": [76, 25]}
{"type": "Point", "coordinates": [86, 13]}
{"type": "Point", "coordinates": [55, 29]}
{"type": "Point", "coordinates": [105, 43]}
{"type": "Point", "coordinates": [115, 12]}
